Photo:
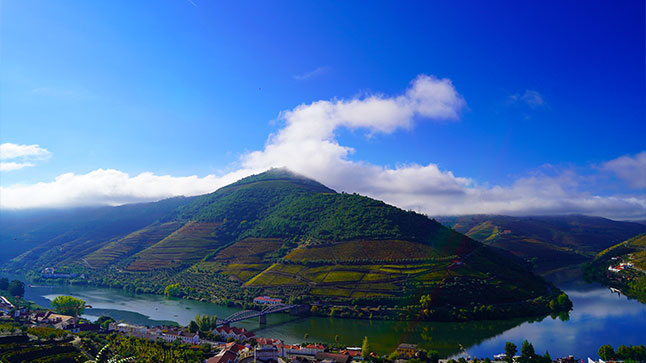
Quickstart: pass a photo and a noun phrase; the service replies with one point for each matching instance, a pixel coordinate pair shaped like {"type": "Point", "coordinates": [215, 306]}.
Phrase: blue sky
{"type": "Point", "coordinates": [549, 101]}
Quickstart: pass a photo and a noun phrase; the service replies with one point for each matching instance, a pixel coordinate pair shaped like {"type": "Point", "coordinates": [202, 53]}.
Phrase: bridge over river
{"type": "Point", "coordinates": [262, 314]}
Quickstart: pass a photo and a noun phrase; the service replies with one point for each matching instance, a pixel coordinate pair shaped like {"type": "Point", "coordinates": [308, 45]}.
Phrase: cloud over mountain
{"type": "Point", "coordinates": [306, 143]}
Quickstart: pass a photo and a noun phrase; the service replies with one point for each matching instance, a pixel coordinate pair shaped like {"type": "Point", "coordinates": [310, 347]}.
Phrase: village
{"type": "Point", "coordinates": [231, 344]}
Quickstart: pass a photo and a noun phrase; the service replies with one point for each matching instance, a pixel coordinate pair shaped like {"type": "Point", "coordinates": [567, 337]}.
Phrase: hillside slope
{"type": "Point", "coordinates": [622, 266]}
{"type": "Point", "coordinates": [48, 237]}
{"type": "Point", "coordinates": [554, 241]}
{"type": "Point", "coordinates": [289, 236]}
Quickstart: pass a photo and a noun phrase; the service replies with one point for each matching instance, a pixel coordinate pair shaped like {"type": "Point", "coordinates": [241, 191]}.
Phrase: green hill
{"type": "Point", "coordinates": [552, 241]}
{"type": "Point", "coordinates": [282, 234]}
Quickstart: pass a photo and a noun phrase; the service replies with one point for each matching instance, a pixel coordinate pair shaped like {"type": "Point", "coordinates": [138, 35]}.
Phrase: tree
{"type": "Point", "coordinates": [510, 351]}
{"type": "Point", "coordinates": [365, 348]}
{"type": "Point", "coordinates": [173, 290]}
{"type": "Point", "coordinates": [606, 352]}
{"type": "Point", "coordinates": [547, 358]}
{"type": "Point", "coordinates": [68, 305]}
{"type": "Point", "coordinates": [4, 283]}
{"type": "Point", "coordinates": [306, 336]}
{"type": "Point", "coordinates": [425, 301]}
{"type": "Point", "coordinates": [433, 356]}
{"type": "Point", "coordinates": [623, 352]}
{"type": "Point", "coordinates": [336, 339]}
{"type": "Point", "coordinates": [104, 321]}
{"type": "Point", "coordinates": [16, 288]}
{"type": "Point", "coordinates": [639, 353]}
{"type": "Point", "coordinates": [527, 353]}
{"type": "Point", "coordinates": [206, 322]}
{"type": "Point", "coordinates": [192, 327]}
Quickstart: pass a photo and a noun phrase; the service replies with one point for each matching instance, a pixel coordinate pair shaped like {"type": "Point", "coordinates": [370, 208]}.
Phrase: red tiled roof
{"type": "Point", "coordinates": [234, 347]}
{"type": "Point", "coordinates": [264, 341]}
{"type": "Point", "coordinates": [228, 330]}
{"type": "Point", "coordinates": [223, 357]}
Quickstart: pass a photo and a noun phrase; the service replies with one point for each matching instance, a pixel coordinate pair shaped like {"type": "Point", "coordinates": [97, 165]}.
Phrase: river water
{"type": "Point", "coordinates": [599, 317]}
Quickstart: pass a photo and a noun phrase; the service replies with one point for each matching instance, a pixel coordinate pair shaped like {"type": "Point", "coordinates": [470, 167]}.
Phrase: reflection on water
{"type": "Point", "coordinates": [599, 317]}
{"type": "Point", "coordinates": [386, 335]}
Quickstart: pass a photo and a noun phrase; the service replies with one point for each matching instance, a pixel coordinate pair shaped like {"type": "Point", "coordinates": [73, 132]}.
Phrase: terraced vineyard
{"type": "Point", "coordinates": [350, 281]}
{"type": "Point", "coordinates": [131, 244]}
{"type": "Point", "coordinates": [638, 258]}
{"type": "Point", "coordinates": [365, 249]}
{"type": "Point", "coordinates": [244, 272]}
{"type": "Point", "coordinates": [185, 246]}
{"type": "Point", "coordinates": [248, 251]}
{"type": "Point", "coordinates": [474, 272]}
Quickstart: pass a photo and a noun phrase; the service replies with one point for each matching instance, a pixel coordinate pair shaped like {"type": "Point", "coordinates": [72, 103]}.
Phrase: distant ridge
{"type": "Point", "coordinates": [554, 241]}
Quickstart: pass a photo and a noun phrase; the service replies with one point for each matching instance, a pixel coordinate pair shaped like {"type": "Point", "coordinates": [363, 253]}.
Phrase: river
{"type": "Point", "coordinates": [599, 317]}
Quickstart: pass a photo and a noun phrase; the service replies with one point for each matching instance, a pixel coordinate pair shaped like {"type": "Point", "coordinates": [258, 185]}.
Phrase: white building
{"type": "Point", "coordinates": [128, 328]}
{"type": "Point", "coordinates": [266, 353]}
{"type": "Point", "coordinates": [188, 338]}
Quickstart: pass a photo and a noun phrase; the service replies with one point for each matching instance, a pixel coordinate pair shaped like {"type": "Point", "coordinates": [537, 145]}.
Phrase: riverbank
{"type": "Point", "coordinates": [403, 309]}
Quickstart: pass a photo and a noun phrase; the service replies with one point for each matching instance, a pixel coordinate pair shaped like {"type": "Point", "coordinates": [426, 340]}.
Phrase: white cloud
{"type": "Point", "coordinates": [108, 187]}
{"type": "Point", "coordinates": [532, 99]}
{"type": "Point", "coordinates": [629, 168]}
{"type": "Point", "coordinates": [311, 74]}
{"type": "Point", "coordinates": [25, 154]}
{"type": "Point", "coordinates": [10, 165]}
{"type": "Point", "coordinates": [13, 151]}
{"type": "Point", "coordinates": [306, 144]}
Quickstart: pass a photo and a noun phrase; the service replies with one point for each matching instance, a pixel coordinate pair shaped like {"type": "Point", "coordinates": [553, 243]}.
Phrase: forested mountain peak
{"type": "Point", "coordinates": [281, 174]}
